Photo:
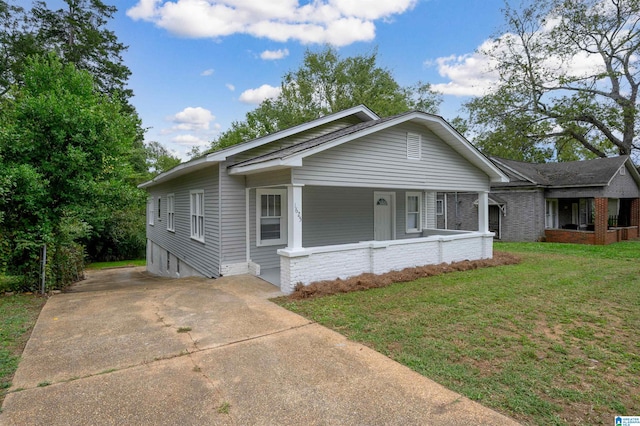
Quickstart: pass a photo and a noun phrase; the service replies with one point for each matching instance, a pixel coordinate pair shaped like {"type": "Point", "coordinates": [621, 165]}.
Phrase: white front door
{"type": "Point", "coordinates": [383, 216]}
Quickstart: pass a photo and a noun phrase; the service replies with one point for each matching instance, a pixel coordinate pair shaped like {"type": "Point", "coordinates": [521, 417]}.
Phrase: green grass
{"type": "Point", "coordinates": [553, 340]}
{"type": "Point", "coordinates": [18, 314]}
{"type": "Point", "coordinates": [118, 264]}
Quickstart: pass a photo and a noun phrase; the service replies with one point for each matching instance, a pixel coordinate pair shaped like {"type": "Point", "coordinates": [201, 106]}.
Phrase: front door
{"type": "Point", "coordinates": [494, 220]}
{"type": "Point", "coordinates": [383, 216]}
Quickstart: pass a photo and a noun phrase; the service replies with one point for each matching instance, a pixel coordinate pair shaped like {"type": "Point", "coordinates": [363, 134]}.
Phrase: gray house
{"type": "Point", "coordinates": [588, 202]}
{"type": "Point", "coordinates": [368, 186]}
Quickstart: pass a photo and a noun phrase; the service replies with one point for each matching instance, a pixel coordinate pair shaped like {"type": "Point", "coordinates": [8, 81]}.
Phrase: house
{"type": "Point", "coordinates": [587, 202]}
{"type": "Point", "coordinates": [345, 194]}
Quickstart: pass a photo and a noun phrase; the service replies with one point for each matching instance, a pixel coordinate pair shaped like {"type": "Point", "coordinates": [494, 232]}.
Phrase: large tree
{"type": "Point", "coordinates": [326, 83]}
{"type": "Point", "coordinates": [569, 75]}
{"type": "Point", "coordinates": [64, 149]}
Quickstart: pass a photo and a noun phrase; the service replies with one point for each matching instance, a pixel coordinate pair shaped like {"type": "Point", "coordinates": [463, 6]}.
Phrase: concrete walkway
{"type": "Point", "coordinates": [128, 348]}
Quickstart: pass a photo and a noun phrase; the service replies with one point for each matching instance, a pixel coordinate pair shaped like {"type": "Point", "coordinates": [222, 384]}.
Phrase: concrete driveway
{"type": "Point", "coordinates": [128, 348]}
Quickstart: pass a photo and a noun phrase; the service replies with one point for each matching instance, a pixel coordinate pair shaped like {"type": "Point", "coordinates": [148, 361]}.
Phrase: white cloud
{"type": "Point", "coordinates": [337, 22]}
{"type": "Point", "coordinates": [255, 96]}
{"type": "Point", "coordinates": [191, 118]}
{"type": "Point", "coordinates": [270, 55]}
{"type": "Point", "coordinates": [189, 140]}
{"type": "Point", "coordinates": [230, 87]}
{"type": "Point", "coordinates": [475, 74]}
{"type": "Point", "coordinates": [207, 73]}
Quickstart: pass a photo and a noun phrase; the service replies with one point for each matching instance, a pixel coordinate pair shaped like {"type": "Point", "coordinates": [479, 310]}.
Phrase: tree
{"type": "Point", "coordinates": [63, 165]}
{"type": "Point", "coordinates": [159, 158]}
{"type": "Point", "coordinates": [569, 75]}
{"type": "Point", "coordinates": [326, 83]}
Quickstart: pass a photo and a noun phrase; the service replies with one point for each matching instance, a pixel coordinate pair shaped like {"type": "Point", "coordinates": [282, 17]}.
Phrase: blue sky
{"type": "Point", "coordinates": [196, 64]}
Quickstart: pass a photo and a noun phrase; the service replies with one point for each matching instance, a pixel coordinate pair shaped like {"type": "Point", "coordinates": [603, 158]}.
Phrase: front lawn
{"type": "Point", "coordinates": [18, 314]}
{"type": "Point", "coordinates": [552, 340]}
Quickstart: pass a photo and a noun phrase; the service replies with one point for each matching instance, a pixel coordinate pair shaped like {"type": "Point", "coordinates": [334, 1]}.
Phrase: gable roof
{"type": "Point", "coordinates": [361, 112]}
{"type": "Point", "coordinates": [597, 172]}
{"type": "Point", "coordinates": [292, 156]}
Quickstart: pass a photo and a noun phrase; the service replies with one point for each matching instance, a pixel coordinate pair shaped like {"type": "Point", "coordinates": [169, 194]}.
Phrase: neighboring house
{"type": "Point", "coordinates": [588, 202]}
{"type": "Point", "coordinates": [341, 195]}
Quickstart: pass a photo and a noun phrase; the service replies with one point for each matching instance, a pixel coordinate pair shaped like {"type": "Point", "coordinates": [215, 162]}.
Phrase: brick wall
{"type": "Point", "coordinates": [569, 236]}
{"type": "Point", "coordinates": [601, 220]}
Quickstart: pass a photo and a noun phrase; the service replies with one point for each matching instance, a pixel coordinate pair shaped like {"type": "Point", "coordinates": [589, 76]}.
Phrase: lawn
{"type": "Point", "coordinates": [18, 314]}
{"type": "Point", "coordinates": [552, 340]}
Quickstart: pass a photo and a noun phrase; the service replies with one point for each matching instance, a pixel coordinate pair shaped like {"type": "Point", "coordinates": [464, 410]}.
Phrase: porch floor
{"type": "Point", "coordinates": [271, 275]}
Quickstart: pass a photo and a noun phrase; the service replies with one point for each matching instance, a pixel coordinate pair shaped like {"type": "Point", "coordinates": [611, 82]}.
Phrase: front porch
{"type": "Point", "coordinates": [402, 234]}
{"type": "Point", "coordinates": [306, 265]}
{"type": "Point", "coordinates": [595, 221]}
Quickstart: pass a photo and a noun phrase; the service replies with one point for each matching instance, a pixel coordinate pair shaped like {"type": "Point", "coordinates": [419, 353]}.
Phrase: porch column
{"type": "Point", "coordinates": [635, 214]}
{"type": "Point", "coordinates": [294, 211]}
{"type": "Point", "coordinates": [483, 212]}
{"type": "Point", "coordinates": [601, 220]}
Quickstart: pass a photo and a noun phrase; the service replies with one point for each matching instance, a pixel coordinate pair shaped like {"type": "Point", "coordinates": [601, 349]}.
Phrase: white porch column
{"type": "Point", "coordinates": [294, 212]}
{"type": "Point", "coordinates": [429, 221]}
{"type": "Point", "coordinates": [483, 212]}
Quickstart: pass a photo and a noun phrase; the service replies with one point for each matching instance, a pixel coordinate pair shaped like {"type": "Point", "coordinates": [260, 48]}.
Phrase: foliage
{"type": "Point", "coordinates": [569, 76]}
{"type": "Point", "coordinates": [552, 340]}
{"type": "Point", "coordinates": [159, 158]}
{"type": "Point", "coordinates": [63, 151]}
{"type": "Point", "coordinates": [326, 83]}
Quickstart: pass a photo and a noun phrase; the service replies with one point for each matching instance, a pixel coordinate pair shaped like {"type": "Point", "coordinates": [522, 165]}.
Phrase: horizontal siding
{"type": "Point", "coordinates": [379, 160]}
{"type": "Point", "coordinates": [232, 218]}
{"type": "Point", "coordinates": [300, 137]}
{"type": "Point", "coordinates": [204, 257]}
{"type": "Point", "coordinates": [276, 177]}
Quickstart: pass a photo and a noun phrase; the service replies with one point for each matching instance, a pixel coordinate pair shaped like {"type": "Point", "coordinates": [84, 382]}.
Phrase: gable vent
{"type": "Point", "coordinates": [414, 146]}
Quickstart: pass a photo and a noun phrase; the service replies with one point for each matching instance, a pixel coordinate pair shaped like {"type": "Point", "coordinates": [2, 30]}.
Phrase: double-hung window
{"type": "Point", "coordinates": [271, 216]}
{"type": "Point", "coordinates": [150, 210]}
{"type": "Point", "coordinates": [197, 214]}
{"type": "Point", "coordinates": [171, 212]}
{"type": "Point", "coordinates": [414, 216]}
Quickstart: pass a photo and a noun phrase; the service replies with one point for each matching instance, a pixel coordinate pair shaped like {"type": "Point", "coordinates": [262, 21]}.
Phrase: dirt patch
{"type": "Point", "coordinates": [367, 281]}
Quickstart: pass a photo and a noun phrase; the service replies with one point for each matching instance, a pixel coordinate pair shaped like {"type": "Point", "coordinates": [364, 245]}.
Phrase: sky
{"type": "Point", "coordinates": [199, 65]}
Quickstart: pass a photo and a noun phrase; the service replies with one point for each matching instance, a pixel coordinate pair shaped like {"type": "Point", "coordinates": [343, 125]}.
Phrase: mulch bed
{"type": "Point", "coordinates": [367, 281]}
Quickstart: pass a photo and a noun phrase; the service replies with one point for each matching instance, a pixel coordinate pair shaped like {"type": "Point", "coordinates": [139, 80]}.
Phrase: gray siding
{"type": "Point", "coordinates": [622, 186]}
{"type": "Point", "coordinates": [335, 215]}
{"type": "Point", "coordinates": [586, 192]}
{"type": "Point", "coordinates": [232, 217]}
{"type": "Point", "coordinates": [204, 257]}
{"type": "Point", "coordinates": [380, 160]}
{"type": "Point", "coordinates": [276, 177]}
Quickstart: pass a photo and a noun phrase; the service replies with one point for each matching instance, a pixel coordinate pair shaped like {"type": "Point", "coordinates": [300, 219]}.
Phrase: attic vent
{"type": "Point", "coordinates": [623, 171]}
{"type": "Point", "coordinates": [414, 146]}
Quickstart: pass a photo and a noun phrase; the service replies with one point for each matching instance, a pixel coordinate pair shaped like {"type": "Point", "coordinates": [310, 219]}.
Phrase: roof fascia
{"type": "Point", "coordinates": [179, 170]}
{"type": "Point", "coordinates": [361, 111]}
{"type": "Point", "coordinates": [265, 166]}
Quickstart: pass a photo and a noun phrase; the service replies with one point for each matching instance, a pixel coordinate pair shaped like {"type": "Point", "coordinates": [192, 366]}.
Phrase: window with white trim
{"type": "Point", "coordinates": [271, 217]}
{"type": "Point", "coordinates": [414, 146]}
{"type": "Point", "coordinates": [150, 210]}
{"type": "Point", "coordinates": [440, 207]}
{"type": "Point", "coordinates": [171, 217]}
{"type": "Point", "coordinates": [197, 214]}
{"type": "Point", "coordinates": [413, 211]}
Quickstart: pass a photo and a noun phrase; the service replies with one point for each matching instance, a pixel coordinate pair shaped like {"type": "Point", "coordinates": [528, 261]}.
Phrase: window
{"type": "Point", "coordinates": [171, 212]}
{"type": "Point", "coordinates": [414, 146]}
{"type": "Point", "coordinates": [197, 215]}
{"type": "Point", "coordinates": [168, 261]}
{"type": "Point", "coordinates": [439, 207]}
{"type": "Point", "coordinates": [271, 215]}
{"type": "Point", "coordinates": [159, 209]}
{"type": "Point", "coordinates": [150, 210]}
{"type": "Point", "coordinates": [414, 218]}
